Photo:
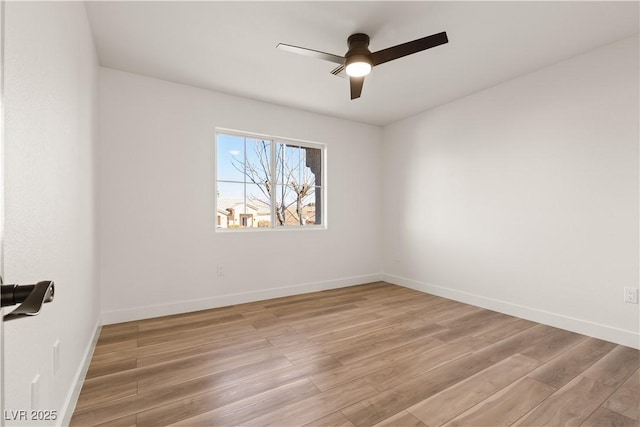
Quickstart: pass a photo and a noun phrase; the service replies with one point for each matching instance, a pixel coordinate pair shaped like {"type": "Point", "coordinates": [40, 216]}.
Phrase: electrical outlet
{"type": "Point", "coordinates": [35, 392]}
{"type": "Point", "coordinates": [631, 295]}
{"type": "Point", "coordinates": [56, 357]}
{"type": "Point", "coordinates": [220, 271]}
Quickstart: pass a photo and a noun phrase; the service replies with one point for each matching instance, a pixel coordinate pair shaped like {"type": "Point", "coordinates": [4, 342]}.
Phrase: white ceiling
{"type": "Point", "coordinates": [231, 47]}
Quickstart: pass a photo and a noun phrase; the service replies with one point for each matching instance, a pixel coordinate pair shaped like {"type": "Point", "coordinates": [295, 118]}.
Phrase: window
{"type": "Point", "coordinates": [267, 182]}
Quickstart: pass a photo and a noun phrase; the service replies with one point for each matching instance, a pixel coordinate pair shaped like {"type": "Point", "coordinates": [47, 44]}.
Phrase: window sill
{"type": "Point", "coordinates": [270, 229]}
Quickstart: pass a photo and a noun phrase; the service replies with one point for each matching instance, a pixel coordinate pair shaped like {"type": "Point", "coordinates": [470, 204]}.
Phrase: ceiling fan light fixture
{"type": "Point", "coordinates": [358, 67]}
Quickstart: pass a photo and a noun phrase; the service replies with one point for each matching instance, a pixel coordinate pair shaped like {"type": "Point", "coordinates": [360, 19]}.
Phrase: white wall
{"type": "Point", "coordinates": [524, 197]}
{"type": "Point", "coordinates": [159, 249]}
{"type": "Point", "coordinates": [51, 126]}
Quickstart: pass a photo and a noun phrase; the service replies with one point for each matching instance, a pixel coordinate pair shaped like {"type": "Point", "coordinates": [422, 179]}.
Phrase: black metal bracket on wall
{"type": "Point", "coordinates": [30, 298]}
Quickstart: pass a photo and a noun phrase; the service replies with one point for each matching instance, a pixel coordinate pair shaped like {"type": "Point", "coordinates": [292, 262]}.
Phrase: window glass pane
{"type": "Point", "coordinates": [230, 158]}
{"type": "Point", "coordinates": [230, 191]}
{"type": "Point", "coordinates": [285, 206]}
{"type": "Point", "coordinates": [295, 208]}
{"type": "Point", "coordinates": [299, 165]}
{"type": "Point", "coordinates": [292, 165]}
{"type": "Point", "coordinates": [308, 209]}
{"type": "Point", "coordinates": [313, 165]}
{"type": "Point", "coordinates": [258, 163]}
{"type": "Point", "coordinates": [229, 204]}
{"type": "Point", "coordinates": [258, 205]}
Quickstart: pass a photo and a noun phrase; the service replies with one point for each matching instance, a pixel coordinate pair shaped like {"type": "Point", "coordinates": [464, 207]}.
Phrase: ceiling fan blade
{"type": "Point", "coordinates": [339, 71]}
{"type": "Point", "coordinates": [395, 52]}
{"type": "Point", "coordinates": [312, 53]}
{"type": "Point", "coordinates": [356, 86]}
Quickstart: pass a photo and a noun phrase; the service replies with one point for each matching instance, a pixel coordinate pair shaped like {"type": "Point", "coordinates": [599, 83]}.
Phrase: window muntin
{"type": "Point", "coordinates": [267, 183]}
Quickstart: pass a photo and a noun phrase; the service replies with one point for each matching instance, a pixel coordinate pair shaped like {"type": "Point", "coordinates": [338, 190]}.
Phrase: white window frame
{"type": "Point", "coordinates": [274, 140]}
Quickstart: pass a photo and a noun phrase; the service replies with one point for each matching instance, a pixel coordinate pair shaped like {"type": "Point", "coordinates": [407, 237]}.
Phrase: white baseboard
{"type": "Point", "coordinates": [146, 312]}
{"type": "Point", "coordinates": [72, 397]}
{"type": "Point", "coordinates": [584, 327]}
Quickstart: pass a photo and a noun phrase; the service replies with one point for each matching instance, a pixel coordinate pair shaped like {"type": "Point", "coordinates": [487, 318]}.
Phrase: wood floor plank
{"type": "Point", "coordinates": [383, 302]}
{"type": "Point", "coordinates": [202, 335]}
{"type": "Point", "coordinates": [335, 323]}
{"type": "Point", "coordinates": [317, 406]}
{"type": "Point", "coordinates": [374, 288]}
{"type": "Point", "coordinates": [118, 329]}
{"type": "Point", "coordinates": [470, 320]}
{"type": "Point", "coordinates": [240, 367]}
{"type": "Point", "coordinates": [404, 419]}
{"type": "Point", "coordinates": [571, 363]}
{"type": "Point", "coordinates": [116, 347]}
{"type": "Point", "coordinates": [351, 331]}
{"type": "Point", "coordinates": [415, 388]}
{"type": "Point", "coordinates": [117, 336]}
{"type": "Point", "coordinates": [626, 400]}
{"type": "Point", "coordinates": [111, 366]}
{"type": "Point", "coordinates": [387, 297]}
{"type": "Point", "coordinates": [412, 301]}
{"type": "Point", "coordinates": [356, 353]}
{"type": "Point", "coordinates": [615, 367]}
{"type": "Point", "coordinates": [206, 395]}
{"type": "Point", "coordinates": [517, 343]}
{"type": "Point", "coordinates": [604, 417]}
{"type": "Point", "coordinates": [335, 419]}
{"type": "Point", "coordinates": [101, 358]}
{"type": "Point", "coordinates": [475, 328]}
{"type": "Point", "coordinates": [111, 362]}
{"type": "Point", "coordinates": [506, 330]}
{"type": "Point", "coordinates": [177, 320]}
{"type": "Point", "coordinates": [389, 402]}
{"type": "Point", "coordinates": [129, 421]}
{"type": "Point", "coordinates": [363, 331]}
{"type": "Point", "coordinates": [260, 319]}
{"type": "Point", "coordinates": [294, 343]}
{"type": "Point", "coordinates": [314, 300]}
{"type": "Point", "coordinates": [505, 407]}
{"type": "Point", "coordinates": [99, 395]}
{"type": "Point", "coordinates": [215, 351]}
{"type": "Point", "coordinates": [140, 402]}
{"type": "Point", "coordinates": [464, 395]}
{"type": "Point", "coordinates": [176, 329]}
{"type": "Point", "coordinates": [306, 314]}
{"type": "Point", "coordinates": [241, 334]}
{"type": "Point", "coordinates": [236, 413]}
{"type": "Point", "coordinates": [552, 346]}
{"type": "Point", "coordinates": [406, 369]}
{"type": "Point", "coordinates": [571, 405]}
{"type": "Point", "coordinates": [410, 297]}
{"type": "Point", "coordinates": [356, 356]}
{"type": "Point", "coordinates": [249, 307]}
{"type": "Point", "coordinates": [409, 306]}
{"type": "Point", "coordinates": [150, 397]}
{"type": "Point", "coordinates": [343, 374]}
{"type": "Point", "coordinates": [447, 312]}
{"type": "Point", "coordinates": [431, 302]}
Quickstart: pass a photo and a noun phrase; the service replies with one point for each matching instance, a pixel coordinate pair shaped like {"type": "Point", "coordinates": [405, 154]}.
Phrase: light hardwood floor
{"type": "Point", "coordinates": [374, 354]}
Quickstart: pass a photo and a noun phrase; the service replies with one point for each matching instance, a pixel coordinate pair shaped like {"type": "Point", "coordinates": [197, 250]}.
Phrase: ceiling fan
{"type": "Point", "coordinates": [359, 60]}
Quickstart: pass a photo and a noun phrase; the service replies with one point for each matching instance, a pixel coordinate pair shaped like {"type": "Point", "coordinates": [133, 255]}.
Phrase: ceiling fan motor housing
{"type": "Point", "coordinates": [358, 49]}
